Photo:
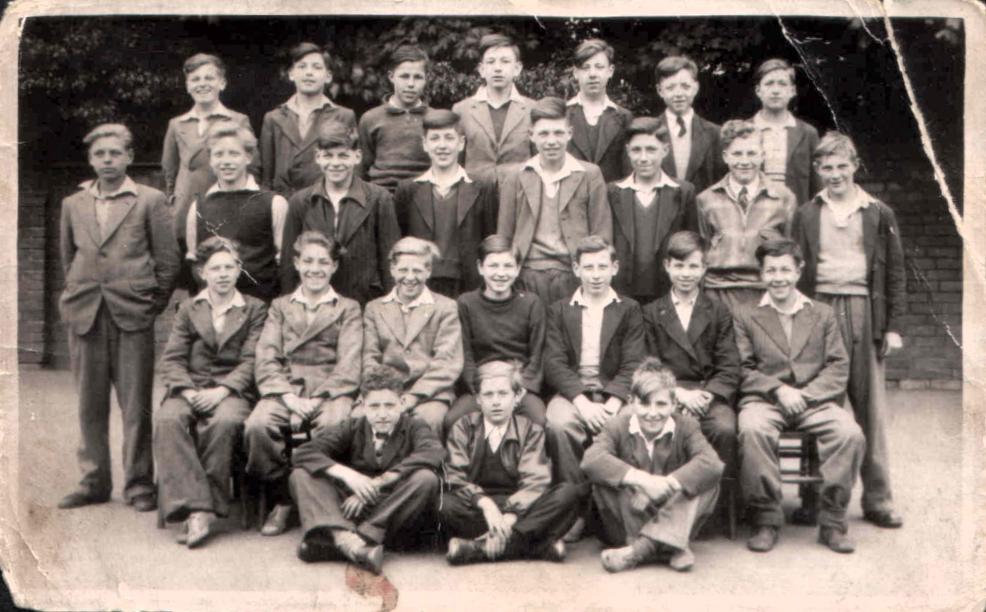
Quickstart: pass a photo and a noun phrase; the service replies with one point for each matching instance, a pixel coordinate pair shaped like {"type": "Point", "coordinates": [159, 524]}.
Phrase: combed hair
{"type": "Point", "coordinates": [407, 53]}
{"type": "Point", "coordinates": [593, 243]}
{"type": "Point", "coordinates": [216, 244]}
{"type": "Point", "coordinates": [382, 378]}
{"type": "Point", "coordinates": [333, 246]}
{"type": "Point", "coordinates": [548, 108]}
{"type": "Point", "coordinates": [497, 243]}
{"type": "Point", "coordinates": [778, 247]}
{"type": "Point", "coordinates": [671, 65]}
{"type": "Point", "coordinates": [409, 245]}
{"type": "Point", "coordinates": [229, 129]}
{"type": "Point", "coordinates": [835, 143]}
{"type": "Point", "coordinates": [682, 244]}
{"type": "Point", "coordinates": [297, 52]}
{"type": "Point", "coordinates": [203, 59]}
{"type": "Point", "coordinates": [648, 126]}
{"type": "Point", "coordinates": [588, 48]}
{"type": "Point", "coordinates": [497, 369]}
{"type": "Point", "coordinates": [440, 119]}
{"type": "Point", "coordinates": [496, 41]}
{"type": "Point", "coordinates": [772, 64]}
{"type": "Point", "coordinates": [333, 134]}
{"type": "Point", "coordinates": [737, 128]}
{"type": "Point", "coordinates": [650, 377]}
{"type": "Point", "coordinates": [107, 130]}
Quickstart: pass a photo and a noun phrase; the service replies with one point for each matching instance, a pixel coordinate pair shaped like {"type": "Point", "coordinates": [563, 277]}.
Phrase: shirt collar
{"type": "Point", "coordinates": [630, 182]}
{"type": "Point", "coordinates": [356, 193]}
{"type": "Point", "coordinates": [429, 177]}
{"type": "Point", "coordinates": [293, 105]}
{"type": "Point", "coordinates": [673, 119]}
{"type": "Point", "coordinates": [426, 297]}
{"type": "Point", "coordinates": [482, 95]}
{"type": "Point", "coordinates": [677, 301]}
{"type": "Point", "coordinates": [489, 428]}
{"type": "Point", "coordinates": [752, 190]}
{"type": "Point", "coordinates": [236, 302]}
{"type": "Point", "coordinates": [568, 167]}
{"type": "Point", "coordinates": [220, 111]}
{"type": "Point", "coordinates": [328, 297]}
{"type": "Point", "coordinates": [251, 185]}
{"type": "Point", "coordinates": [667, 430]}
{"type": "Point", "coordinates": [800, 301]}
{"type": "Point", "coordinates": [577, 101]}
{"type": "Point", "coordinates": [579, 300]}
{"type": "Point", "coordinates": [393, 109]}
{"type": "Point", "coordinates": [761, 122]}
{"type": "Point", "coordinates": [862, 200]}
{"type": "Point", "coordinates": [128, 186]}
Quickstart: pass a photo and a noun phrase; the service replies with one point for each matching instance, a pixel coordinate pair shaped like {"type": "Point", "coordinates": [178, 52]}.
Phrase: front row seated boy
{"type": "Point", "coordinates": [369, 481]}
{"type": "Point", "coordinates": [502, 503]}
{"type": "Point", "coordinates": [655, 477]}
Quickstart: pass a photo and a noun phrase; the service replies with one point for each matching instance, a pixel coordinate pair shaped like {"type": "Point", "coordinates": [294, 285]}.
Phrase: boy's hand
{"type": "Point", "coordinates": [495, 519]}
{"type": "Point", "coordinates": [892, 342]}
{"type": "Point", "coordinates": [297, 405]}
{"type": "Point", "coordinates": [694, 401]}
{"type": "Point", "coordinates": [657, 488]}
{"type": "Point", "coordinates": [208, 399]}
{"type": "Point", "coordinates": [593, 415]}
{"type": "Point", "coordinates": [639, 501]}
{"type": "Point", "coordinates": [352, 507]}
{"type": "Point", "coordinates": [791, 400]}
{"type": "Point", "coordinates": [613, 405]}
{"type": "Point", "coordinates": [363, 487]}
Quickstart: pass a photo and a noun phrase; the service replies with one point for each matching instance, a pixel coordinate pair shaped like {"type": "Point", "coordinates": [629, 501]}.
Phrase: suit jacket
{"type": "Point", "coordinates": [131, 270]}
{"type": "Point", "coordinates": [621, 348]}
{"type": "Point", "coordinates": [429, 349]}
{"type": "Point", "coordinates": [815, 361]}
{"type": "Point", "coordinates": [583, 207]}
{"type": "Point", "coordinates": [610, 151]}
{"type": "Point", "coordinates": [483, 150]}
{"type": "Point", "coordinates": [317, 360]}
{"type": "Point", "coordinates": [196, 357]}
{"type": "Point", "coordinates": [799, 175]}
{"type": "Point", "coordinates": [367, 231]}
{"type": "Point", "coordinates": [885, 274]}
{"type": "Point", "coordinates": [412, 446]}
{"type": "Point", "coordinates": [615, 451]}
{"type": "Point", "coordinates": [521, 452]}
{"type": "Point", "coordinates": [475, 217]}
{"type": "Point", "coordinates": [676, 212]}
{"type": "Point", "coordinates": [705, 163]}
{"type": "Point", "coordinates": [705, 353]}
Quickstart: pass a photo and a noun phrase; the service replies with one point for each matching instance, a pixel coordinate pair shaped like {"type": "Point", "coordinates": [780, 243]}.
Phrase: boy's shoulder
{"type": "Point", "coordinates": [374, 114]}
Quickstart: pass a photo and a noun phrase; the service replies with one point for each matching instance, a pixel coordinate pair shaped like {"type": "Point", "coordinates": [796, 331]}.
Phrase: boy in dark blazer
{"type": "Point", "coordinates": [369, 481]}
{"type": "Point", "coordinates": [855, 263]}
{"type": "Point", "coordinates": [655, 478]}
{"type": "Point", "coordinates": [795, 371]}
{"type": "Point", "coordinates": [448, 206]}
{"type": "Point", "coordinates": [207, 372]}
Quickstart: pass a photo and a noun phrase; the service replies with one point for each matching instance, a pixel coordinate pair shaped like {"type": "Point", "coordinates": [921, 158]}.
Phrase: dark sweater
{"type": "Point", "coordinates": [513, 329]}
{"type": "Point", "coordinates": [390, 139]}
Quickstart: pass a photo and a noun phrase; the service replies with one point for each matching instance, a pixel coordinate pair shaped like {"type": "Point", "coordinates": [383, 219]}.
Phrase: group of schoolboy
{"type": "Point", "coordinates": [643, 306]}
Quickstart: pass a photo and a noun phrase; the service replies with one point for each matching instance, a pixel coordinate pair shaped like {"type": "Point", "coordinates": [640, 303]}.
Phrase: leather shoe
{"type": "Point", "coordinates": [199, 528]}
{"type": "Point", "coordinates": [835, 540]}
{"type": "Point", "coordinates": [277, 521]}
{"type": "Point", "coordinates": [145, 502]}
{"type": "Point", "coordinates": [182, 536]}
{"type": "Point", "coordinates": [888, 519]}
{"type": "Point", "coordinates": [682, 560]}
{"type": "Point", "coordinates": [764, 539]}
{"type": "Point", "coordinates": [77, 499]}
{"type": "Point", "coordinates": [317, 549]}
{"type": "Point", "coordinates": [555, 551]}
{"type": "Point", "coordinates": [462, 551]}
{"type": "Point", "coordinates": [354, 548]}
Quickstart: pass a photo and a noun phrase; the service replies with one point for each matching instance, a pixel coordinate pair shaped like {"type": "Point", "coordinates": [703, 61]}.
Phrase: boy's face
{"type": "Point", "coordinates": [653, 412]}
{"type": "Point", "coordinates": [596, 272]}
{"type": "Point", "coordinates": [550, 138]}
{"type": "Point", "coordinates": [686, 273]}
{"type": "Point", "coordinates": [109, 157]}
{"type": "Point", "coordinates": [338, 163]}
{"type": "Point", "coordinates": [744, 157]}
{"type": "Point", "coordinates": [781, 275]}
{"type": "Point", "coordinates": [204, 84]}
{"type": "Point", "coordinates": [382, 409]}
{"type": "Point", "coordinates": [220, 272]}
{"type": "Point", "coordinates": [499, 67]}
{"type": "Point", "coordinates": [443, 146]}
{"type": "Point", "coordinates": [409, 82]}
{"type": "Point", "coordinates": [678, 91]}
{"type": "Point", "coordinates": [646, 153]}
{"type": "Point", "coordinates": [776, 89]}
{"type": "Point", "coordinates": [594, 74]}
{"type": "Point", "coordinates": [310, 75]}
{"type": "Point", "coordinates": [837, 172]}
{"type": "Point", "coordinates": [499, 271]}
{"type": "Point", "coordinates": [228, 159]}
{"type": "Point", "coordinates": [315, 267]}
{"type": "Point", "coordinates": [410, 273]}
{"type": "Point", "coordinates": [497, 399]}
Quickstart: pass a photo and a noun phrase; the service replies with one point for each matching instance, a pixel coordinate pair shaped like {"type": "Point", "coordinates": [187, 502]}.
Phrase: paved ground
{"type": "Point", "coordinates": [110, 556]}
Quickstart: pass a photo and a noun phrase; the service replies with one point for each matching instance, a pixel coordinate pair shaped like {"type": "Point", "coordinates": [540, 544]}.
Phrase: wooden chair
{"type": "Point", "coordinates": [807, 475]}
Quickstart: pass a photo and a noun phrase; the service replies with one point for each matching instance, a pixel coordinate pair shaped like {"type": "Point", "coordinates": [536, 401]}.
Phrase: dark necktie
{"type": "Point", "coordinates": [379, 439]}
{"type": "Point", "coordinates": [681, 127]}
{"type": "Point", "coordinates": [743, 199]}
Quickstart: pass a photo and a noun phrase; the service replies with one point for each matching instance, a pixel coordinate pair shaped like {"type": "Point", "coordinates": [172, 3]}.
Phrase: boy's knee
{"type": "Point", "coordinates": [423, 480]}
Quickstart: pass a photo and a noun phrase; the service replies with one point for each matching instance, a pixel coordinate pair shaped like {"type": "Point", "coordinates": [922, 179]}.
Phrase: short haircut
{"type": "Point", "coordinates": [649, 378]}
{"type": "Point", "coordinates": [672, 65]}
{"type": "Point", "coordinates": [496, 369]}
{"type": "Point", "coordinates": [216, 244]}
{"type": "Point", "coordinates": [592, 243]}
{"type": "Point", "coordinates": [440, 119]}
{"type": "Point", "coordinates": [203, 59]}
{"type": "Point", "coordinates": [229, 129]}
{"type": "Point", "coordinates": [333, 134]}
{"type": "Point", "coordinates": [107, 130]}
{"type": "Point", "coordinates": [497, 41]}
{"type": "Point", "coordinates": [407, 53]}
{"type": "Point", "coordinates": [648, 126]}
{"type": "Point", "coordinates": [496, 243]}
{"type": "Point", "coordinates": [737, 128]}
{"type": "Point", "coordinates": [382, 378]}
{"type": "Point", "coordinates": [409, 245]}
{"type": "Point", "coordinates": [682, 244]}
{"type": "Point", "coordinates": [548, 108]}
{"type": "Point", "coordinates": [588, 48]}
{"type": "Point", "coordinates": [333, 246]}
{"type": "Point", "coordinates": [771, 65]}
{"type": "Point", "coordinates": [835, 143]}
{"type": "Point", "coordinates": [778, 247]}
{"type": "Point", "coordinates": [299, 51]}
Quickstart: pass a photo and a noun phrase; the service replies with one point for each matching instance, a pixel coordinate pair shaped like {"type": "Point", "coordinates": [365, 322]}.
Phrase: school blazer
{"type": "Point", "coordinates": [815, 361]}
{"type": "Point", "coordinates": [476, 210]}
{"type": "Point", "coordinates": [317, 360]}
{"type": "Point", "coordinates": [582, 204]}
{"type": "Point", "coordinates": [705, 353]}
{"type": "Point", "coordinates": [676, 212]}
{"type": "Point", "coordinates": [885, 275]}
{"type": "Point", "coordinates": [429, 349]}
{"type": "Point", "coordinates": [483, 150]}
{"type": "Point", "coordinates": [705, 163]}
{"type": "Point", "coordinates": [521, 452]}
{"type": "Point", "coordinates": [412, 446]}
{"type": "Point", "coordinates": [610, 154]}
{"type": "Point", "coordinates": [621, 348]}
{"type": "Point", "coordinates": [197, 358]}
{"type": "Point", "coordinates": [615, 451]}
{"type": "Point", "coordinates": [132, 270]}
{"type": "Point", "coordinates": [288, 157]}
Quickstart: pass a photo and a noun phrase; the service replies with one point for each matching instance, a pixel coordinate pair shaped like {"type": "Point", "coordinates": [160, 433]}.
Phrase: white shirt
{"type": "Point", "coordinates": [202, 121]}
{"type": "Point", "coordinates": [592, 331]}
{"type": "Point", "coordinates": [219, 313]}
{"type": "Point", "coordinates": [494, 434]}
{"type": "Point", "coordinates": [482, 95]}
{"type": "Point", "coordinates": [311, 308]}
{"type": "Point", "coordinates": [786, 315]}
{"type": "Point", "coordinates": [645, 193]}
{"type": "Point", "coordinates": [305, 114]}
{"type": "Point", "coordinates": [594, 112]}
{"type": "Point", "coordinates": [105, 200]}
{"type": "Point", "coordinates": [425, 297]}
{"type": "Point", "coordinates": [445, 185]}
{"type": "Point", "coordinates": [684, 308]}
{"type": "Point", "coordinates": [552, 180]}
{"type": "Point", "coordinates": [668, 430]}
{"type": "Point", "coordinates": [681, 146]}
{"type": "Point", "coordinates": [843, 211]}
